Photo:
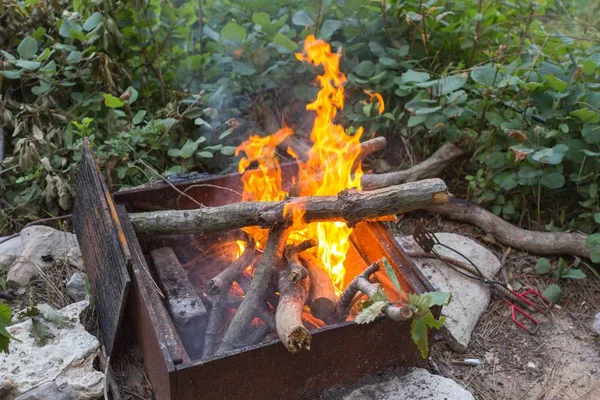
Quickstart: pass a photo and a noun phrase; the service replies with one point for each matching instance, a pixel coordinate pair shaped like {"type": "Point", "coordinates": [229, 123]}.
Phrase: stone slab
{"type": "Point", "coordinates": [414, 384]}
{"type": "Point", "coordinates": [469, 297]}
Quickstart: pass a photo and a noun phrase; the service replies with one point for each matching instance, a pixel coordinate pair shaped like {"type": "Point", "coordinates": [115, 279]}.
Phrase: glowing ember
{"type": "Point", "coordinates": [331, 166]}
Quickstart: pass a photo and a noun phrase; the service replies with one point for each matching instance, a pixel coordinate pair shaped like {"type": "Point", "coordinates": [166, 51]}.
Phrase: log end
{"type": "Point", "coordinates": [399, 313]}
{"type": "Point", "coordinates": [322, 308]}
{"type": "Point", "coordinates": [441, 198]}
{"type": "Point", "coordinates": [298, 340]}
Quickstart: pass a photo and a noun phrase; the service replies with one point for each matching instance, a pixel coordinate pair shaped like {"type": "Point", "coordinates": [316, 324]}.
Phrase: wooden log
{"type": "Point", "coordinates": [362, 284]}
{"type": "Point", "coordinates": [291, 253]}
{"type": "Point", "coordinates": [540, 243]}
{"type": "Point", "coordinates": [226, 277]}
{"type": "Point", "coordinates": [321, 296]}
{"type": "Point", "coordinates": [254, 298]}
{"type": "Point", "coordinates": [350, 206]}
{"type": "Point", "coordinates": [292, 297]}
{"type": "Point", "coordinates": [429, 168]}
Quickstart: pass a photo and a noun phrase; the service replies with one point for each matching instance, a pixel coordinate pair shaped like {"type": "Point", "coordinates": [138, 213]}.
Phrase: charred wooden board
{"type": "Point", "coordinates": [103, 246]}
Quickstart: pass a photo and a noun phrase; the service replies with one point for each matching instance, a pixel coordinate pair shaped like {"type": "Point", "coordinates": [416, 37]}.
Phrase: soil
{"type": "Point", "coordinates": [561, 361]}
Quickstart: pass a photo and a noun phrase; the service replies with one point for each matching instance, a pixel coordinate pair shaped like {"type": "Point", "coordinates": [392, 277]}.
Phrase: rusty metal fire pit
{"type": "Point", "coordinates": [119, 265]}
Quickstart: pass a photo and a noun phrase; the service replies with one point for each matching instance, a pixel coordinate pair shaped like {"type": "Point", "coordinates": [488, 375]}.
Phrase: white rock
{"type": "Point", "coordinates": [417, 383]}
{"type": "Point", "coordinates": [42, 246]}
{"type": "Point", "coordinates": [67, 360]}
{"type": "Point", "coordinates": [596, 324]}
{"type": "Point", "coordinates": [469, 297]}
{"type": "Point", "coordinates": [44, 392]}
{"type": "Point", "coordinates": [9, 251]}
{"type": "Point", "coordinates": [76, 287]}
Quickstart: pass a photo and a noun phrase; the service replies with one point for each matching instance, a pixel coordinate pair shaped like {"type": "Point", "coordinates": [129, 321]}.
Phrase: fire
{"type": "Point", "coordinates": [332, 163]}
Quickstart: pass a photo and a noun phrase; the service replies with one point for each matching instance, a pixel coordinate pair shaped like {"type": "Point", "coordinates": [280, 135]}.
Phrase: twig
{"type": "Point", "coordinates": [345, 300]}
{"type": "Point", "coordinates": [184, 192]}
{"type": "Point", "coordinates": [181, 193]}
{"type": "Point", "coordinates": [477, 32]}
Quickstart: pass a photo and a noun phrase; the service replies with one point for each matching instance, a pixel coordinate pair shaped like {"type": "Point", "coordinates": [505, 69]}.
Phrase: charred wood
{"type": "Point", "coordinates": [223, 281]}
{"type": "Point", "coordinates": [254, 297]}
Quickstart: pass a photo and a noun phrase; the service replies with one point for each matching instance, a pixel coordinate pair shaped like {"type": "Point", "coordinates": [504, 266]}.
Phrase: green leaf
{"type": "Point", "coordinates": [553, 180]}
{"type": "Point", "coordinates": [226, 133]}
{"type": "Point", "coordinates": [200, 121]}
{"type": "Point", "coordinates": [389, 270]}
{"type": "Point", "coordinates": [549, 156]}
{"type": "Point", "coordinates": [484, 76]}
{"type": "Point", "coordinates": [420, 334]}
{"type": "Point", "coordinates": [12, 74]}
{"type": "Point", "coordinates": [233, 32]}
{"type": "Point", "coordinates": [93, 21]}
{"type": "Point", "coordinates": [139, 117]}
{"type": "Point", "coordinates": [555, 83]}
{"type": "Point", "coordinates": [243, 68]}
{"type": "Point", "coordinates": [562, 265]}
{"type": "Point", "coordinates": [593, 243]}
{"type": "Point", "coordinates": [553, 293]}
{"type": "Point", "coordinates": [329, 27]}
{"type": "Point", "coordinates": [284, 44]}
{"type": "Point", "coordinates": [74, 57]}
{"type": "Point", "coordinates": [415, 120]}
{"type": "Point", "coordinates": [28, 65]}
{"type": "Point", "coordinates": [388, 62]}
{"type": "Point", "coordinates": [50, 67]}
{"type": "Point", "coordinates": [597, 218]}
{"type": "Point", "coordinates": [427, 110]}
{"type": "Point", "coordinates": [365, 69]}
{"type": "Point", "coordinates": [413, 16]}
{"type": "Point", "coordinates": [574, 273]}
{"type": "Point", "coordinates": [591, 133]}
{"type": "Point", "coordinates": [506, 180]}
{"type": "Point", "coordinates": [415, 76]}
{"type": "Point", "coordinates": [439, 298]}
{"type": "Point", "coordinates": [205, 154]}
{"type": "Point", "coordinates": [39, 332]}
{"type": "Point", "coordinates": [446, 85]}
{"type": "Point", "coordinates": [188, 149]}
{"type": "Point", "coordinates": [133, 95]}
{"type": "Point", "coordinates": [380, 296]}
{"type": "Point", "coordinates": [370, 313]}
{"type": "Point", "coordinates": [301, 18]}
{"type": "Point", "coordinates": [5, 321]}
{"type": "Point", "coordinates": [542, 266]}
{"type": "Point", "coordinates": [586, 115]}
{"type": "Point", "coordinates": [70, 29]}
{"type": "Point", "coordinates": [111, 101]}
{"type": "Point", "coordinates": [51, 315]}
{"type": "Point", "coordinates": [261, 18]}
{"type": "Point", "coordinates": [227, 150]}
{"type": "Point", "coordinates": [28, 48]}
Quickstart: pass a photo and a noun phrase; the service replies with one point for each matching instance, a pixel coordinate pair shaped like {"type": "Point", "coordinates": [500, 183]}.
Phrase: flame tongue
{"type": "Point", "coordinates": [329, 168]}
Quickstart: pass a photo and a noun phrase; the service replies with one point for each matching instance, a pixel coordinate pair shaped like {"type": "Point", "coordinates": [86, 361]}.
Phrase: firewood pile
{"type": "Point", "coordinates": [281, 290]}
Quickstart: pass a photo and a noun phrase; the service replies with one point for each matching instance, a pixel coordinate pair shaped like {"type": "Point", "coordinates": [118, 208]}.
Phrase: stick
{"type": "Point", "coordinates": [297, 270]}
{"type": "Point", "coordinates": [260, 282]}
{"type": "Point", "coordinates": [350, 206]}
{"type": "Point", "coordinates": [224, 280]}
{"type": "Point", "coordinates": [357, 284]}
{"type": "Point", "coordinates": [429, 168]}
{"type": "Point", "coordinates": [542, 243]}
{"type": "Point", "coordinates": [292, 297]}
{"type": "Point", "coordinates": [361, 283]}
{"type": "Point", "coordinates": [321, 297]}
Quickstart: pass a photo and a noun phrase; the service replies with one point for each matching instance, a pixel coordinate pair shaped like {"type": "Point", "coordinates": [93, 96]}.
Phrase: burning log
{"type": "Point", "coordinates": [361, 283]}
{"type": "Point", "coordinates": [321, 297]}
{"type": "Point", "coordinates": [291, 253]}
{"type": "Point", "coordinates": [292, 296]}
{"type": "Point", "coordinates": [223, 281]}
{"type": "Point", "coordinates": [350, 206]}
{"type": "Point", "coordinates": [260, 282]}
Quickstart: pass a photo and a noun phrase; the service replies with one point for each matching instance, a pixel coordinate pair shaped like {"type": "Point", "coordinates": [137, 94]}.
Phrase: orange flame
{"type": "Point", "coordinates": [331, 166]}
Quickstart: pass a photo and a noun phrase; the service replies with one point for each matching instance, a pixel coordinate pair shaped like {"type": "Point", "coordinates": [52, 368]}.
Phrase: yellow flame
{"type": "Point", "coordinates": [332, 163]}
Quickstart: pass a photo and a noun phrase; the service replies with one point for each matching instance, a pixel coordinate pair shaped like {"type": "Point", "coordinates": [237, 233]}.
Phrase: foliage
{"type": "Point", "coordinates": [420, 303]}
{"type": "Point", "coordinates": [177, 84]}
{"type": "Point", "coordinates": [5, 321]}
{"type": "Point", "coordinates": [562, 271]}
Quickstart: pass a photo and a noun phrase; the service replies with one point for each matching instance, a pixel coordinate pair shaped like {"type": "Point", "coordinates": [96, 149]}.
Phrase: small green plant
{"type": "Point", "coordinates": [562, 271]}
{"type": "Point", "coordinates": [421, 304]}
{"type": "Point", "coordinates": [5, 321]}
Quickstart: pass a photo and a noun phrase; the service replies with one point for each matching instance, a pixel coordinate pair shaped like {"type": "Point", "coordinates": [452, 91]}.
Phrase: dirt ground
{"type": "Point", "coordinates": [560, 362]}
